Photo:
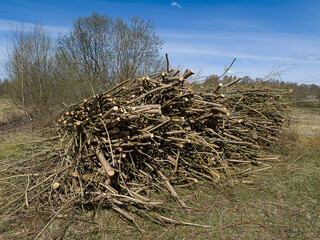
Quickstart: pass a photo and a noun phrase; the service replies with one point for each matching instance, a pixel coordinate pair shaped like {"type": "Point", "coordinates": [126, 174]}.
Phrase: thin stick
{"type": "Point", "coordinates": [227, 68]}
{"type": "Point", "coordinates": [117, 86]}
{"type": "Point", "coordinates": [152, 91]}
{"type": "Point", "coordinates": [296, 160]}
{"type": "Point", "coordinates": [181, 222]}
{"type": "Point", "coordinates": [127, 216]}
{"type": "Point", "coordinates": [26, 192]}
{"type": "Point", "coordinates": [258, 170]}
{"type": "Point", "coordinates": [238, 223]}
{"type": "Point", "coordinates": [109, 170]}
{"type": "Point", "coordinates": [167, 62]}
{"type": "Point", "coordinates": [57, 213]}
{"type": "Point", "coordinates": [176, 163]}
{"type": "Point", "coordinates": [109, 140]}
{"type": "Point", "coordinates": [171, 189]}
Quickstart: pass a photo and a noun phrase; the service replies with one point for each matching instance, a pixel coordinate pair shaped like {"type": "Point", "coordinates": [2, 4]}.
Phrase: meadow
{"type": "Point", "coordinates": [279, 202]}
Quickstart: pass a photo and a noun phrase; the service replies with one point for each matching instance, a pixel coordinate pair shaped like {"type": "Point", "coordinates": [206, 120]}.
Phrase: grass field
{"type": "Point", "coordinates": [307, 104]}
{"type": "Point", "coordinates": [281, 202]}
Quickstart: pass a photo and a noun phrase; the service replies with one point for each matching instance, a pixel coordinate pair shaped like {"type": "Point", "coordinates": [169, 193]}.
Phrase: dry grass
{"type": "Point", "coordinates": [282, 202]}
{"type": "Point", "coordinates": [7, 108]}
{"type": "Point", "coordinates": [307, 126]}
{"type": "Point", "coordinates": [10, 115]}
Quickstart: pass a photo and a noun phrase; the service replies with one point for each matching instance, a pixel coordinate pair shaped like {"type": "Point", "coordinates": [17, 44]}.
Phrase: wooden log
{"type": "Point", "coordinates": [109, 112]}
{"type": "Point", "coordinates": [144, 136]}
{"type": "Point", "coordinates": [222, 110]}
{"type": "Point", "coordinates": [233, 137]}
{"type": "Point", "coordinates": [235, 121]}
{"type": "Point", "coordinates": [107, 167]}
{"type": "Point", "coordinates": [187, 74]}
{"type": "Point", "coordinates": [149, 106]}
{"type": "Point", "coordinates": [148, 111]}
{"type": "Point", "coordinates": [113, 123]}
{"type": "Point", "coordinates": [177, 72]}
{"type": "Point", "coordinates": [150, 92]}
{"type": "Point", "coordinates": [231, 83]}
{"type": "Point", "coordinates": [218, 88]}
{"type": "Point", "coordinates": [122, 139]}
{"type": "Point", "coordinates": [209, 103]}
{"type": "Point", "coordinates": [180, 140]}
{"type": "Point", "coordinates": [174, 78]}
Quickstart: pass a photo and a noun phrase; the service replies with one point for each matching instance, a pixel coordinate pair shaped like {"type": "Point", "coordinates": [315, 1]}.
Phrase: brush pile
{"type": "Point", "coordinates": [151, 133]}
{"type": "Point", "coordinates": [129, 148]}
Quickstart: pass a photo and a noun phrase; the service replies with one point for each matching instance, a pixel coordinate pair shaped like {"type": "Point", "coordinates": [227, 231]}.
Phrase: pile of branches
{"type": "Point", "coordinates": [257, 114]}
{"type": "Point", "coordinates": [125, 147]}
{"type": "Point", "coordinates": [151, 133]}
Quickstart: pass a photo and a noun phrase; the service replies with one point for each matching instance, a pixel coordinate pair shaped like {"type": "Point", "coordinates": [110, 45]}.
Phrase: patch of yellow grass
{"type": "Point", "coordinates": [307, 127]}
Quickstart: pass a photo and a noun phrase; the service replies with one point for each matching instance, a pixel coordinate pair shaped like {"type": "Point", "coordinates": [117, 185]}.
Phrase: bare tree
{"type": "Point", "coordinates": [100, 51]}
{"type": "Point", "coordinates": [135, 43]}
{"type": "Point", "coordinates": [28, 69]}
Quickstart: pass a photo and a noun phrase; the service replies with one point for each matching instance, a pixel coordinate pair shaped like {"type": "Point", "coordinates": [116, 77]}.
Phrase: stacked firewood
{"type": "Point", "coordinates": [149, 134]}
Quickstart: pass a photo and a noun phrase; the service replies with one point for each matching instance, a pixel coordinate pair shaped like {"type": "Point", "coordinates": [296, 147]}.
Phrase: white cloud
{"type": "Point", "coordinates": [175, 4]}
{"type": "Point", "coordinates": [312, 58]}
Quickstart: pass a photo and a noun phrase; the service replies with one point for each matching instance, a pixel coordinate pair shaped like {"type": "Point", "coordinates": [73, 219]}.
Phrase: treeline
{"type": "Point", "coordinates": [45, 73]}
{"type": "Point", "coordinates": [299, 91]}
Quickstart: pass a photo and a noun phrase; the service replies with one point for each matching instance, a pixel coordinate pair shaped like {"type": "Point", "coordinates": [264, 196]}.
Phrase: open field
{"type": "Point", "coordinates": [281, 202]}
{"type": "Point", "coordinates": [159, 120]}
{"type": "Point", "coordinates": [314, 104]}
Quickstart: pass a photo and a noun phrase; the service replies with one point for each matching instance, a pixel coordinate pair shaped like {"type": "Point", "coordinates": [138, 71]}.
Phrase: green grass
{"type": "Point", "coordinates": [307, 104]}
{"type": "Point", "coordinates": [283, 202]}
{"type": "Point", "coordinates": [15, 145]}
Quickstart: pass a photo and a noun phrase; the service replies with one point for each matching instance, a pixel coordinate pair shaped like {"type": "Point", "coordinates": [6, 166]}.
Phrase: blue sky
{"type": "Point", "coordinates": [265, 36]}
